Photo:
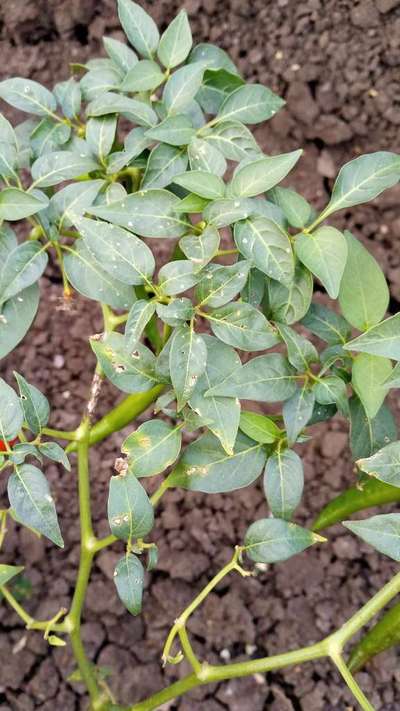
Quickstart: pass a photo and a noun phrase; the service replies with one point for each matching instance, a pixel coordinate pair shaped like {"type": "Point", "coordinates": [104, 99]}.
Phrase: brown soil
{"type": "Point", "coordinates": [336, 62]}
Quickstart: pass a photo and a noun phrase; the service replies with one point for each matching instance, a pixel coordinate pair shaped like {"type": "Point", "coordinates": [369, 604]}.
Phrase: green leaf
{"type": "Point", "coordinates": [129, 581]}
{"type": "Point", "coordinates": [35, 405]}
{"type": "Point", "coordinates": [175, 130]}
{"type": "Point", "coordinates": [8, 572]}
{"type": "Point", "coordinates": [267, 378]}
{"type": "Point", "coordinates": [216, 86]}
{"type": "Point", "coordinates": [205, 466]}
{"type": "Point", "coordinates": [233, 140]}
{"type": "Point", "coordinates": [95, 83]}
{"type": "Point", "coordinates": [295, 208]}
{"type": "Point", "coordinates": [152, 448]}
{"type": "Point", "coordinates": [383, 339]}
{"type": "Point", "coordinates": [301, 352]}
{"type": "Point", "coordinates": [89, 278]}
{"type": "Point", "coordinates": [220, 414]}
{"type": "Point", "coordinates": [259, 427]}
{"type": "Point", "coordinates": [369, 374]}
{"type": "Point", "coordinates": [53, 451]}
{"type": "Point", "coordinates": [251, 103]}
{"type": "Point", "coordinates": [382, 532]}
{"type": "Point", "coordinates": [123, 56]}
{"type": "Point", "coordinates": [203, 156]}
{"type": "Point", "coordinates": [54, 168]}
{"type": "Point", "coordinates": [182, 87]}
{"type": "Point", "coordinates": [253, 290]}
{"type": "Point", "coordinates": [297, 412]}
{"type": "Point", "coordinates": [212, 57]}
{"type": "Point", "coordinates": [224, 212]}
{"type": "Point", "coordinates": [288, 304]}
{"type": "Point", "coordinates": [364, 294]}
{"type": "Point", "coordinates": [176, 41]}
{"type": "Point", "coordinates": [22, 450]}
{"type": "Point", "coordinates": [119, 252]}
{"type": "Point", "coordinates": [16, 204]}
{"type": "Point", "coordinates": [326, 324]}
{"type": "Point", "coordinates": [164, 164]}
{"type": "Point", "coordinates": [11, 412]}
{"type": "Point", "coordinates": [191, 204]}
{"type": "Point", "coordinates": [283, 482]}
{"type": "Point", "coordinates": [260, 175]}
{"type": "Point", "coordinates": [242, 326]}
{"type": "Point", "coordinates": [134, 110]}
{"type": "Point", "coordinates": [324, 253]}
{"type": "Point", "coordinates": [384, 464]}
{"type": "Point", "coordinates": [130, 372]}
{"type": "Point", "coordinates": [100, 135]}
{"type": "Point", "coordinates": [270, 540]}
{"type": "Point", "coordinates": [201, 248]}
{"type": "Point", "coordinates": [262, 242]}
{"type": "Point", "coordinates": [48, 136]}
{"type": "Point", "coordinates": [71, 202]}
{"type": "Point", "coordinates": [176, 312]}
{"type": "Point", "coordinates": [363, 179]}
{"type": "Point", "coordinates": [221, 284]}
{"type": "Point", "coordinates": [8, 160]}
{"type": "Point", "coordinates": [332, 390]}
{"type": "Point", "coordinates": [393, 381]}
{"type": "Point", "coordinates": [135, 143]}
{"type": "Point", "coordinates": [7, 132]}
{"type": "Point", "coordinates": [138, 318]}
{"type": "Point", "coordinates": [68, 95]}
{"type": "Point", "coordinates": [187, 362]}
{"type": "Point", "coordinates": [146, 75]}
{"type": "Point", "coordinates": [16, 317]}
{"type": "Point", "coordinates": [202, 183]}
{"type": "Point", "coordinates": [24, 266]}
{"type": "Point", "coordinates": [27, 95]}
{"type": "Point", "coordinates": [148, 213]}
{"type": "Point", "coordinates": [139, 27]}
{"type": "Point", "coordinates": [32, 503]}
{"type": "Point", "coordinates": [130, 513]}
{"type": "Point", "coordinates": [367, 436]}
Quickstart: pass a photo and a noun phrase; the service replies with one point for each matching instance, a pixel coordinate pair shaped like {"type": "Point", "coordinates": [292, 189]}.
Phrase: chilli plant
{"type": "Point", "coordinates": [130, 149]}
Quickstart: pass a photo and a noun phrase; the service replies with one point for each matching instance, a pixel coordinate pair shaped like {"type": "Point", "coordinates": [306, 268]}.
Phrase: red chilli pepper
{"type": "Point", "coordinates": [3, 446]}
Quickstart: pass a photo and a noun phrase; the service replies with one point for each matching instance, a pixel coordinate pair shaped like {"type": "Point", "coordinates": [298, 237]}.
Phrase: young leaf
{"type": "Point", "coordinates": [362, 179]}
{"type": "Point", "coordinates": [176, 42]}
{"type": "Point", "coordinates": [270, 540]}
{"type": "Point", "coordinates": [260, 175]}
{"type": "Point", "coordinates": [178, 276]}
{"type": "Point", "coordinates": [369, 374]}
{"type": "Point", "coordinates": [219, 285]}
{"type": "Point", "coordinates": [326, 324]}
{"type": "Point", "coordinates": [288, 304]}
{"type": "Point", "coordinates": [301, 352]}
{"type": "Point", "coordinates": [283, 482]}
{"type": "Point", "coordinates": [123, 56]}
{"type": "Point", "coordinates": [120, 253]}
{"type": "Point", "coordinates": [152, 448]}
{"type": "Point", "coordinates": [139, 27]}
{"type": "Point", "coordinates": [383, 339]}
{"type": "Point", "coordinates": [32, 503]}
{"type": "Point", "coordinates": [384, 464]}
{"type": "Point", "coordinates": [242, 326]}
{"type": "Point", "coordinates": [259, 427]}
{"type": "Point", "coordinates": [382, 532]}
{"type": "Point", "coordinates": [202, 183]}
{"type": "Point", "coordinates": [233, 140]}
{"type": "Point", "coordinates": [182, 87]}
{"type": "Point", "coordinates": [138, 318]}
{"type": "Point", "coordinates": [295, 208]}
{"type": "Point", "coordinates": [8, 572]}
{"type": "Point", "coordinates": [216, 86]}
{"type": "Point", "coordinates": [54, 168]}
{"type": "Point", "coordinates": [129, 581]}
{"type": "Point", "coordinates": [332, 389]}
{"type": "Point", "coordinates": [212, 57]}
{"type": "Point", "coordinates": [17, 315]}
{"type": "Point", "coordinates": [53, 451]}
{"type": "Point", "coordinates": [205, 466]}
{"type": "Point", "coordinates": [262, 242]}
{"type": "Point", "coordinates": [149, 214]}
{"type": "Point", "coordinates": [297, 412]}
{"type": "Point", "coordinates": [176, 312]}
{"type": "Point", "coordinates": [146, 75]}
{"type": "Point", "coordinates": [90, 279]}
{"type": "Point", "coordinates": [267, 378]}
{"type": "Point", "coordinates": [367, 436]}
{"type": "Point", "coordinates": [130, 372]}
{"type": "Point", "coordinates": [134, 110]}
{"type": "Point", "coordinates": [35, 405]}
{"type": "Point", "coordinates": [164, 164]}
{"type": "Point", "coordinates": [324, 253]}
{"type": "Point", "coordinates": [15, 204]}
{"type": "Point", "coordinates": [130, 513]}
{"type": "Point", "coordinates": [364, 294]}
{"type": "Point", "coordinates": [100, 135]}
{"type": "Point", "coordinates": [24, 266]}
{"type": "Point", "coordinates": [95, 83]}
{"type": "Point", "coordinates": [27, 95]}
{"type": "Point", "coordinates": [11, 412]}
{"type": "Point", "coordinates": [201, 248]}
{"type": "Point", "coordinates": [174, 130]}
{"type": "Point", "coordinates": [187, 362]}
{"type": "Point", "coordinates": [251, 103]}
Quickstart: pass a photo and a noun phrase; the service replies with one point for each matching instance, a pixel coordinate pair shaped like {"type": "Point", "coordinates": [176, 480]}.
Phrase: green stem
{"type": "Point", "coordinates": [59, 434]}
{"type": "Point", "coordinates": [30, 622]}
{"type": "Point", "coordinates": [352, 684]}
